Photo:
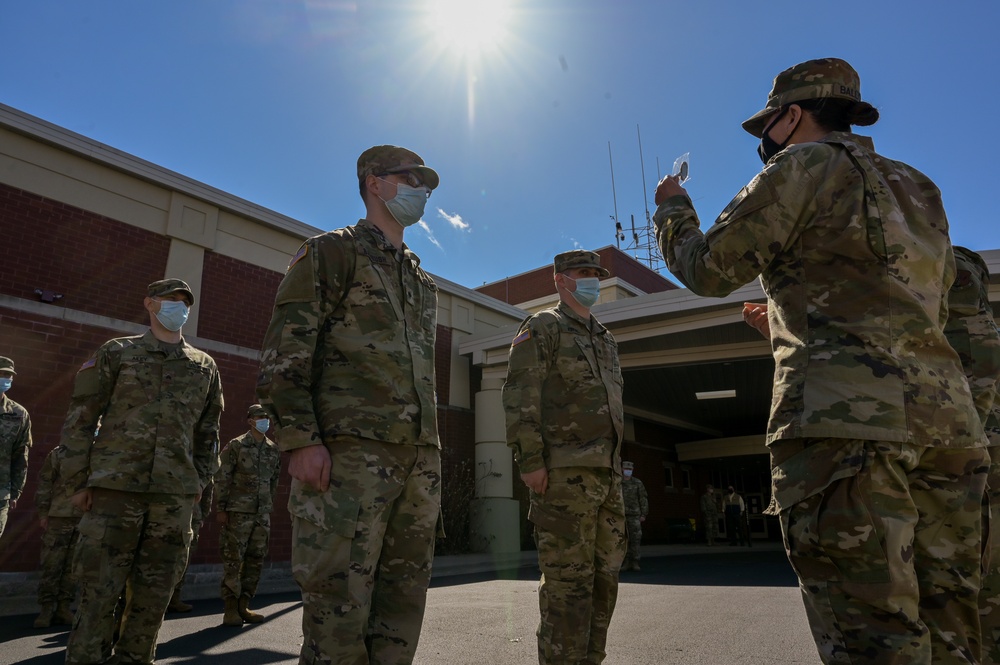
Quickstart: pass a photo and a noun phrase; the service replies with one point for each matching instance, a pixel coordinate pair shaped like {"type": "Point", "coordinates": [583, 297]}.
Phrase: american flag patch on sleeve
{"type": "Point", "coordinates": [87, 365]}
{"type": "Point", "coordinates": [303, 250]}
{"type": "Point", "coordinates": [526, 335]}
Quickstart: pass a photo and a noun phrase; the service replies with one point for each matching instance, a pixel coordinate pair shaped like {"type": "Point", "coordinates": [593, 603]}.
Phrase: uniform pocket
{"type": "Point", "coordinates": [554, 519]}
{"type": "Point", "coordinates": [331, 510]}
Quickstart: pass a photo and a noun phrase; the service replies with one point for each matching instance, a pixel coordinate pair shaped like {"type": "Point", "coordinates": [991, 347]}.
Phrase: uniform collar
{"type": "Point", "coordinates": [591, 323]}
{"type": "Point", "coordinates": [404, 253]}
{"type": "Point", "coordinates": [848, 137]}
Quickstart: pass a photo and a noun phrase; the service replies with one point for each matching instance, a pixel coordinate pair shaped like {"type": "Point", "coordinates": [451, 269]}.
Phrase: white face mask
{"type": "Point", "coordinates": [407, 206]}
{"type": "Point", "coordinates": [173, 314]}
{"type": "Point", "coordinates": [628, 473]}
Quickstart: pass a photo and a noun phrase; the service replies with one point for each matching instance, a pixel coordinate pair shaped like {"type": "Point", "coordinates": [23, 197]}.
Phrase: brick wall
{"type": "Point", "coordinates": [236, 300]}
{"type": "Point", "coordinates": [99, 265]}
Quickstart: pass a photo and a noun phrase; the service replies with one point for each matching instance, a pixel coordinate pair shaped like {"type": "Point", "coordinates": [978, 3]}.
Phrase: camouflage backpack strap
{"type": "Point", "coordinates": [872, 182]}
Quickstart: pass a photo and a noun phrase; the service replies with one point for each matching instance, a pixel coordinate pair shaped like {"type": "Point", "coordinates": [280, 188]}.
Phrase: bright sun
{"type": "Point", "coordinates": [469, 26]}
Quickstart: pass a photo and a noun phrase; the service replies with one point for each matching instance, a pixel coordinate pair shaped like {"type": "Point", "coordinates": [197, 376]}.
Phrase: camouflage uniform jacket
{"type": "Point", "coordinates": [854, 256]}
{"type": "Point", "coordinates": [248, 476]}
{"type": "Point", "coordinates": [159, 407]}
{"type": "Point", "coordinates": [634, 494]}
{"type": "Point", "coordinates": [350, 346]}
{"type": "Point", "coordinates": [971, 330]}
{"type": "Point", "coordinates": [710, 504]}
{"type": "Point", "coordinates": [52, 497]}
{"type": "Point", "coordinates": [563, 394]}
{"type": "Point", "coordinates": [15, 440]}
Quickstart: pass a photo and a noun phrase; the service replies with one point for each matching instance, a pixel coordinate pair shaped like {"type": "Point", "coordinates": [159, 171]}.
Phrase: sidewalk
{"type": "Point", "coordinates": [18, 591]}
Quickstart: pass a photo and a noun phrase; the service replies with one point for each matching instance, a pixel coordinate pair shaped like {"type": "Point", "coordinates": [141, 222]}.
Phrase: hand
{"type": "Point", "coordinates": [83, 499]}
{"type": "Point", "coordinates": [13, 503]}
{"type": "Point", "coordinates": [222, 517]}
{"type": "Point", "coordinates": [537, 481]}
{"type": "Point", "coordinates": [43, 522]}
{"type": "Point", "coordinates": [668, 187]}
{"type": "Point", "coordinates": [641, 520]}
{"type": "Point", "coordinates": [197, 498]}
{"type": "Point", "coordinates": [311, 465]}
{"type": "Point", "coordinates": [755, 315]}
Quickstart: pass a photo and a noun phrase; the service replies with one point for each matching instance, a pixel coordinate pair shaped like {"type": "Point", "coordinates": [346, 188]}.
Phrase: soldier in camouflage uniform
{"type": "Point", "coordinates": [972, 332]}
{"type": "Point", "coordinates": [636, 509]}
{"type": "Point", "coordinates": [15, 441]}
{"type": "Point", "coordinates": [198, 515]}
{"type": "Point", "coordinates": [877, 453]}
{"type": "Point", "coordinates": [58, 518]}
{"type": "Point", "coordinates": [347, 374]}
{"type": "Point", "coordinates": [247, 481]}
{"type": "Point", "coordinates": [565, 422]}
{"type": "Point", "coordinates": [710, 512]}
{"type": "Point", "coordinates": [158, 401]}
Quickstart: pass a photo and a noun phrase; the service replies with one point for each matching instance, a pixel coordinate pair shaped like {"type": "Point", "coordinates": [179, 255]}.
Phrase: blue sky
{"type": "Point", "coordinates": [274, 100]}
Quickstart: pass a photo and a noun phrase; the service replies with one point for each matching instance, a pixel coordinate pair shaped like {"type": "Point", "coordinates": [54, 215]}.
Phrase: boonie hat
{"type": "Point", "coordinates": [813, 79]}
{"type": "Point", "coordinates": [257, 411]}
{"type": "Point", "coordinates": [628, 465]}
{"type": "Point", "coordinates": [381, 159]}
{"type": "Point", "coordinates": [165, 287]}
{"type": "Point", "coordinates": [7, 365]}
{"type": "Point", "coordinates": [579, 258]}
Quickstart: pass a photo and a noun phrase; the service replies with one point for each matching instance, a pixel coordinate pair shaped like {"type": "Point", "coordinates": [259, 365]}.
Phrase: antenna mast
{"type": "Point", "coordinates": [619, 234]}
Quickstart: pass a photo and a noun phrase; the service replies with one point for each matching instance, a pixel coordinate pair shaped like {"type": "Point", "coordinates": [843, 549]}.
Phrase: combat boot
{"type": "Point", "coordinates": [64, 615]}
{"type": "Point", "coordinates": [249, 615]}
{"type": "Point", "coordinates": [178, 605]}
{"type": "Point", "coordinates": [635, 565]}
{"type": "Point", "coordinates": [44, 619]}
{"type": "Point", "coordinates": [231, 615]}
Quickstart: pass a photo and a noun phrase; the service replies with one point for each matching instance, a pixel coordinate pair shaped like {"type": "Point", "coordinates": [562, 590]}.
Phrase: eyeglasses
{"type": "Point", "coordinates": [412, 180]}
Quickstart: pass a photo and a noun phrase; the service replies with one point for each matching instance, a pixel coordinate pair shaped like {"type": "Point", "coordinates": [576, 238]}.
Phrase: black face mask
{"type": "Point", "coordinates": [768, 147]}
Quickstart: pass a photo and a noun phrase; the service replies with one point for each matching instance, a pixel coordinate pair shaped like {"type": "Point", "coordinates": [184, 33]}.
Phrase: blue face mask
{"type": "Point", "coordinates": [587, 291]}
{"type": "Point", "coordinates": [261, 424]}
{"type": "Point", "coordinates": [5, 384]}
{"type": "Point", "coordinates": [173, 314]}
{"type": "Point", "coordinates": [407, 206]}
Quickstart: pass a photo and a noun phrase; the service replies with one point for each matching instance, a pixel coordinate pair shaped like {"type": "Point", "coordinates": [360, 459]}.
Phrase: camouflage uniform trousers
{"type": "Point", "coordinates": [711, 527]}
{"type": "Point", "coordinates": [634, 525]}
{"type": "Point", "coordinates": [885, 541]}
{"type": "Point", "coordinates": [362, 552]}
{"type": "Point", "coordinates": [192, 548]}
{"type": "Point", "coordinates": [56, 583]}
{"type": "Point", "coordinates": [243, 543]}
{"type": "Point", "coordinates": [989, 594]}
{"type": "Point", "coordinates": [580, 535]}
{"type": "Point", "coordinates": [141, 538]}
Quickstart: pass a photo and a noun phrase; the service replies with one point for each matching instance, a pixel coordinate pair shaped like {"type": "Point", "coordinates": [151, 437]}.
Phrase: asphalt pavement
{"type": "Point", "coordinates": [690, 605]}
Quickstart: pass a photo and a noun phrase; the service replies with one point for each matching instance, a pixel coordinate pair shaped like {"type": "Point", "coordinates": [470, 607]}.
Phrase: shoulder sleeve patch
{"type": "Point", "coordinates": [523, 337]}
{"type": "Point", "coordinates": [87, 365]}
{"type": "Point", "coordinates": [303, 250]}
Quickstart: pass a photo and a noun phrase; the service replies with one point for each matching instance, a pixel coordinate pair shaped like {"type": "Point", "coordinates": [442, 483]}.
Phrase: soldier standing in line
{"type": "Point", "coordinates": [735, 510]}
{"type": "Point", "coordinates": [636, 509]}
{"type": "Point", "coordinates": [565, 422]}
{"type": "Point", "coordinates": [247, 480]}
{"type": "Point", "coordinates": [198, 515]}
{"type": "Point", "coordinates": [158, 401]}
{"type": "Point", "coordinates": [972, 332]}
{"type": "Point", "coordinates": [877, 453]}
{"type": "Point", "coordinates": [15, 441]}
{"type": "Point", "coordinates": [58, 518]}
{"type": "Point", "coordinates": [710, 513]}
{"type": "Point", "coordinates": [347, 374]}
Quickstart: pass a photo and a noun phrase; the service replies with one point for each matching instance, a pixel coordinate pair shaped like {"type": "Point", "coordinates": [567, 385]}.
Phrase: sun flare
{"type": "Point", "coordinates": [469, 26]}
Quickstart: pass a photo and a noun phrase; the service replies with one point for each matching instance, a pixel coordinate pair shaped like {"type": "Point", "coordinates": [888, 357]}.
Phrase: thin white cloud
{"type": "Point", "coordinates": [430, 234]}
{"type": "Point", "coordinates": [455, 220]}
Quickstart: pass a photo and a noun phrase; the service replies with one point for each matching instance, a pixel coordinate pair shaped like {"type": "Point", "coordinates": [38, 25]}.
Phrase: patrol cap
{"type": "Point", "coordinates": [812, 79]}
{"type": "Point", "coordinates": [165, 287]}
{"type": "Point", "coordinates": [257, 411]}
{"type": "Point", "coordinates": [579, 258]}
{"type": "Point", "coordinates": [628, 465]}
{"type": "Point", "coordinates": [381, 159]}
{"type": "Point", "coordinates": [7, 365]}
